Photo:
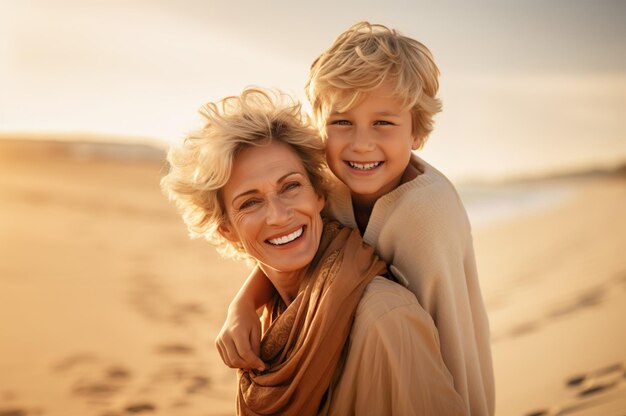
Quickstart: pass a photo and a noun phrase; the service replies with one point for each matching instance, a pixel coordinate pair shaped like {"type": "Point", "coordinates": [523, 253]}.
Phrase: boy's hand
{"type": "Point", "coordinates": [239, 339]}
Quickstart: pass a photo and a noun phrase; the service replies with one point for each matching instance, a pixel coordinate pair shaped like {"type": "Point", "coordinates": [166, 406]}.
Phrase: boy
{"type": "Point", "coordinates": [373, 94]}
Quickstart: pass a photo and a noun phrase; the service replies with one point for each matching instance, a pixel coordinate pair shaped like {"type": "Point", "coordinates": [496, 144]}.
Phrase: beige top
{"type": "Point", "coordinates": [393, 364]}
{"type": "Point", "coordinates": [421, 229]}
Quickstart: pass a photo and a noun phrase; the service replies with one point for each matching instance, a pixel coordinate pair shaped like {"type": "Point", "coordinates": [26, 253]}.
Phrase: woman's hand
{"type": "Point", "coordinates": [238, 341]}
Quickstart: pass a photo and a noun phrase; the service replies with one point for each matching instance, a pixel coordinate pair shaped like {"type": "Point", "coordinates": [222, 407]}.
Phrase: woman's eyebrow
{"type": "Point", "coordinates": [279, 180]}
{"type": "Point", "coordinates": [285, 176]}
{"type": "Point", "coordinates": [244, 193]}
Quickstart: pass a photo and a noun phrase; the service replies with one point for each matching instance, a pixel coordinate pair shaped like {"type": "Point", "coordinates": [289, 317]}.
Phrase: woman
{"type": "Point", "coordinates": [337, 337]}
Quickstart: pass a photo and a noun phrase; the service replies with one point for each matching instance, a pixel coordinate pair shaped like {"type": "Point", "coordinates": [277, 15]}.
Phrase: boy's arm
{"type": "Point", "coordinates": [239, 339]}
{"type": "Point", "coordinates": [437, 260]}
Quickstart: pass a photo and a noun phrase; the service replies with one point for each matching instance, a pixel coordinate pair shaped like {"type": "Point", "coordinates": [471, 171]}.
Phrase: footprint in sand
{"type": "Point", "coordinates": [524, 329]}
{"type": "Point", "coordinates": [590, 389]}
{"type": "Point", "coordinates": [20, 412]}
{"type": "Point", "coordinates": [13, 412]}
{"type": "Point", "coordinates": [140, 408]}
{"type": "Point", "coordinates": [539, 413]}
{"type": "Point", "coordinates": [102, 388]}
{"type": "Point", "coordinates": [198, 384]}
{"type": "Point", "coordinates": [152, 299]}
{"type": "Point", "coordinates": [175, 349]}
{"type": "Point", "coordinates": [136, 408]}
{"type": "Point", "coordinates": [186, 374]}
{"type": "Point", "coordinates": [597, 388]}
{"type": "Point", "coordinates": [613, 371]}
{"type": "Point", "coordinates": [594, 296]}
{"type": "Point", "coordinates": [10, 406]}
{"type": "Point", "coordinates": [180, 374]}
{"type": "Point", "coordinates": [620, 279]}
{"type": "Point", "coordinates": [103, 384]}
{"type": "Point", "coordinates": [185, 371]}
{"type": "Point", "coordinates": [597, 381]}
{"type": "Point", "coordinates": [92, 378]}
{"type": "Point", "coordinates": [75, 361]}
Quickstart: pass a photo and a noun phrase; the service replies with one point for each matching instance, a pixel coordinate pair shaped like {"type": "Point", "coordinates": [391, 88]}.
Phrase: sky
{"type": "Point", "coordinates": [527, 87]}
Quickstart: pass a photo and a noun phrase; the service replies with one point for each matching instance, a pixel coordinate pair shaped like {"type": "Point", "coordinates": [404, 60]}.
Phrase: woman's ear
{"type": "Point", "coordinates": [321, 202]}
{"type": "Point", "coordinates": [226, 230]}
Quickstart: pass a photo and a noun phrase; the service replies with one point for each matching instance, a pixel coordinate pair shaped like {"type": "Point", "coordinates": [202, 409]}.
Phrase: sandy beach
{"type": "Point", "coordinates": [107, 308]}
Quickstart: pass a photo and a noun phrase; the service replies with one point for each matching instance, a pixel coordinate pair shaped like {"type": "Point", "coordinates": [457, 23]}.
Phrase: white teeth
{"type": "Point", "coordinates": [287, 238]}
{"type": "Point", "coordinates": [364, 166]}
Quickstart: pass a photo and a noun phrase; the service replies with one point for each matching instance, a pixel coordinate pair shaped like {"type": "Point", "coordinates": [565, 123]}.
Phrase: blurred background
{"type": "Point", "coordinates": [527, 86]}
{"type": "Point", "coordinates": [107, 307]}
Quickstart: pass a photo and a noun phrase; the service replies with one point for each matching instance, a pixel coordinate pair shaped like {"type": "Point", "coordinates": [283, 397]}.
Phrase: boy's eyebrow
{"type": "Point", "coordinates": [279, 180]}
{"type": "Point", "coordinates": [377, 113]}
{"type": "Point", "coordinates": [387, 114]}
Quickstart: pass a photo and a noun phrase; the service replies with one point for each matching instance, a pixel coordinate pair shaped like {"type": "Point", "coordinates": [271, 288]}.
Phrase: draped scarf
{"type": "Point", "coordinates": [302, 347]}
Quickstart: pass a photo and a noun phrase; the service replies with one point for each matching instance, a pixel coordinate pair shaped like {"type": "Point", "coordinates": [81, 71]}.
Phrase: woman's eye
{"type": "Point", "coordinates": [249, 203]}
{"type": "Point", "coordinates": [290, 186]}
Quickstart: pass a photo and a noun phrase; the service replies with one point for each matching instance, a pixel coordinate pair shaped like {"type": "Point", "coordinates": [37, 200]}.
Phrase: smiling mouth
{"type": "Point", "coordinates": [364, 166]}
{"type": "Point", "coordinates": [279, 241]}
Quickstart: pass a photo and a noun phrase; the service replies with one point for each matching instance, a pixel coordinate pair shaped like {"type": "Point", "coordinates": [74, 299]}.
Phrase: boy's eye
{"type": "Point", "coordinates": [383, 123]}
{"type": "Point", "coordinates": [340, 122]}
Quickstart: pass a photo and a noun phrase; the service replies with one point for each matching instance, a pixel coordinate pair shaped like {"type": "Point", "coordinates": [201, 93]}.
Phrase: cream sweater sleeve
{"type": "Point", "coordinates": [423, 231]}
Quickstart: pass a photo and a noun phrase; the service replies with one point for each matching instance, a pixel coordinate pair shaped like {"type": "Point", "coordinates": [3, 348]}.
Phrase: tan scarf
{"type": "Point", "coordinates": [303, 345]}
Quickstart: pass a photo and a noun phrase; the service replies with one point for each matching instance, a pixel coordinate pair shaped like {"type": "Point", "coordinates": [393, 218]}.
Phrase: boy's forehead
{"type": "Point", "coordinates": [382, 101]}
{"type": "Point", "coordinates": [342, 101]}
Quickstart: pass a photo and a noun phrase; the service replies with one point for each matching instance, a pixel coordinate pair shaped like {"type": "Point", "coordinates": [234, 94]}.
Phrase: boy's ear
{"type": "Point", "coordinates": [416, 143]}
{"type": "Point", "coordinates": [226, 230]}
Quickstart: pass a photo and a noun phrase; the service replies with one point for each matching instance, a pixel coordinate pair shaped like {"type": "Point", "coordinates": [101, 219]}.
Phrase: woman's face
{"type": "Point", "coordinates": [272, 208]}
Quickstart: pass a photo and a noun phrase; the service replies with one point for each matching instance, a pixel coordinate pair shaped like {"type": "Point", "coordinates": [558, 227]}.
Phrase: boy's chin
{"type": "Point", "coordinates": [365, 190]}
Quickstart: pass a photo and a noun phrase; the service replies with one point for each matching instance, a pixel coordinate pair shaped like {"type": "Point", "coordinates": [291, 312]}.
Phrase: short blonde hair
{"type": "Point", "coordinates": [363, 58]}
{"type": "Point", "coordinates": [202, 166]}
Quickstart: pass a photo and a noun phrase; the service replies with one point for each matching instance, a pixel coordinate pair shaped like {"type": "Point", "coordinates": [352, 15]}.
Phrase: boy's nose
{"type": "Point", "coordinates": [362, 141]}
{"type": "Point", "coordinates": [278, 212]}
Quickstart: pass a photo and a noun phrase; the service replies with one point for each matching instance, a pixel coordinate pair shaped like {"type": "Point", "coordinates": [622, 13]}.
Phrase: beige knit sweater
{"type": "Point", "coordinates": [421, 229]}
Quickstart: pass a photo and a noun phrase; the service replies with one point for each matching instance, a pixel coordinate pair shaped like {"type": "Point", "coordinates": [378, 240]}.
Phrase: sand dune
{"type": "Point", "coordinates": [108, 309]}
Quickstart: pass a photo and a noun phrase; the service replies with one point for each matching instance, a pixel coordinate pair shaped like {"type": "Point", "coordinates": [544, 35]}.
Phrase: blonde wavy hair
{"type": "Point", "coordinates": [202, 165]}
{"type": "Point", "coordinates": [363, 58]}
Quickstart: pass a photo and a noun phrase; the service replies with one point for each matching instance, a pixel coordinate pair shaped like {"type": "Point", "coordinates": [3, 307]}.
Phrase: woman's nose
{"type": "Point", "coordinates": [278, 212]}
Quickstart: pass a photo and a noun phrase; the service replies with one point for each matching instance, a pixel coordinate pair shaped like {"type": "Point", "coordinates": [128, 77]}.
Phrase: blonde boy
{"type": "Point", "coordinates": [373, 94]}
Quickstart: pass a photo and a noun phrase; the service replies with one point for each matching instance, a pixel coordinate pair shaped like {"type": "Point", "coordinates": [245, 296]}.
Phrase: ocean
{"type": "Point", "coordinates": [488, 204]}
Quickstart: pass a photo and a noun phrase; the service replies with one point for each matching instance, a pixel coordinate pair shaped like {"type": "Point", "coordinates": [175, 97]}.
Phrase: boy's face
{"type": "Point", "coordinates": [369, 146]}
